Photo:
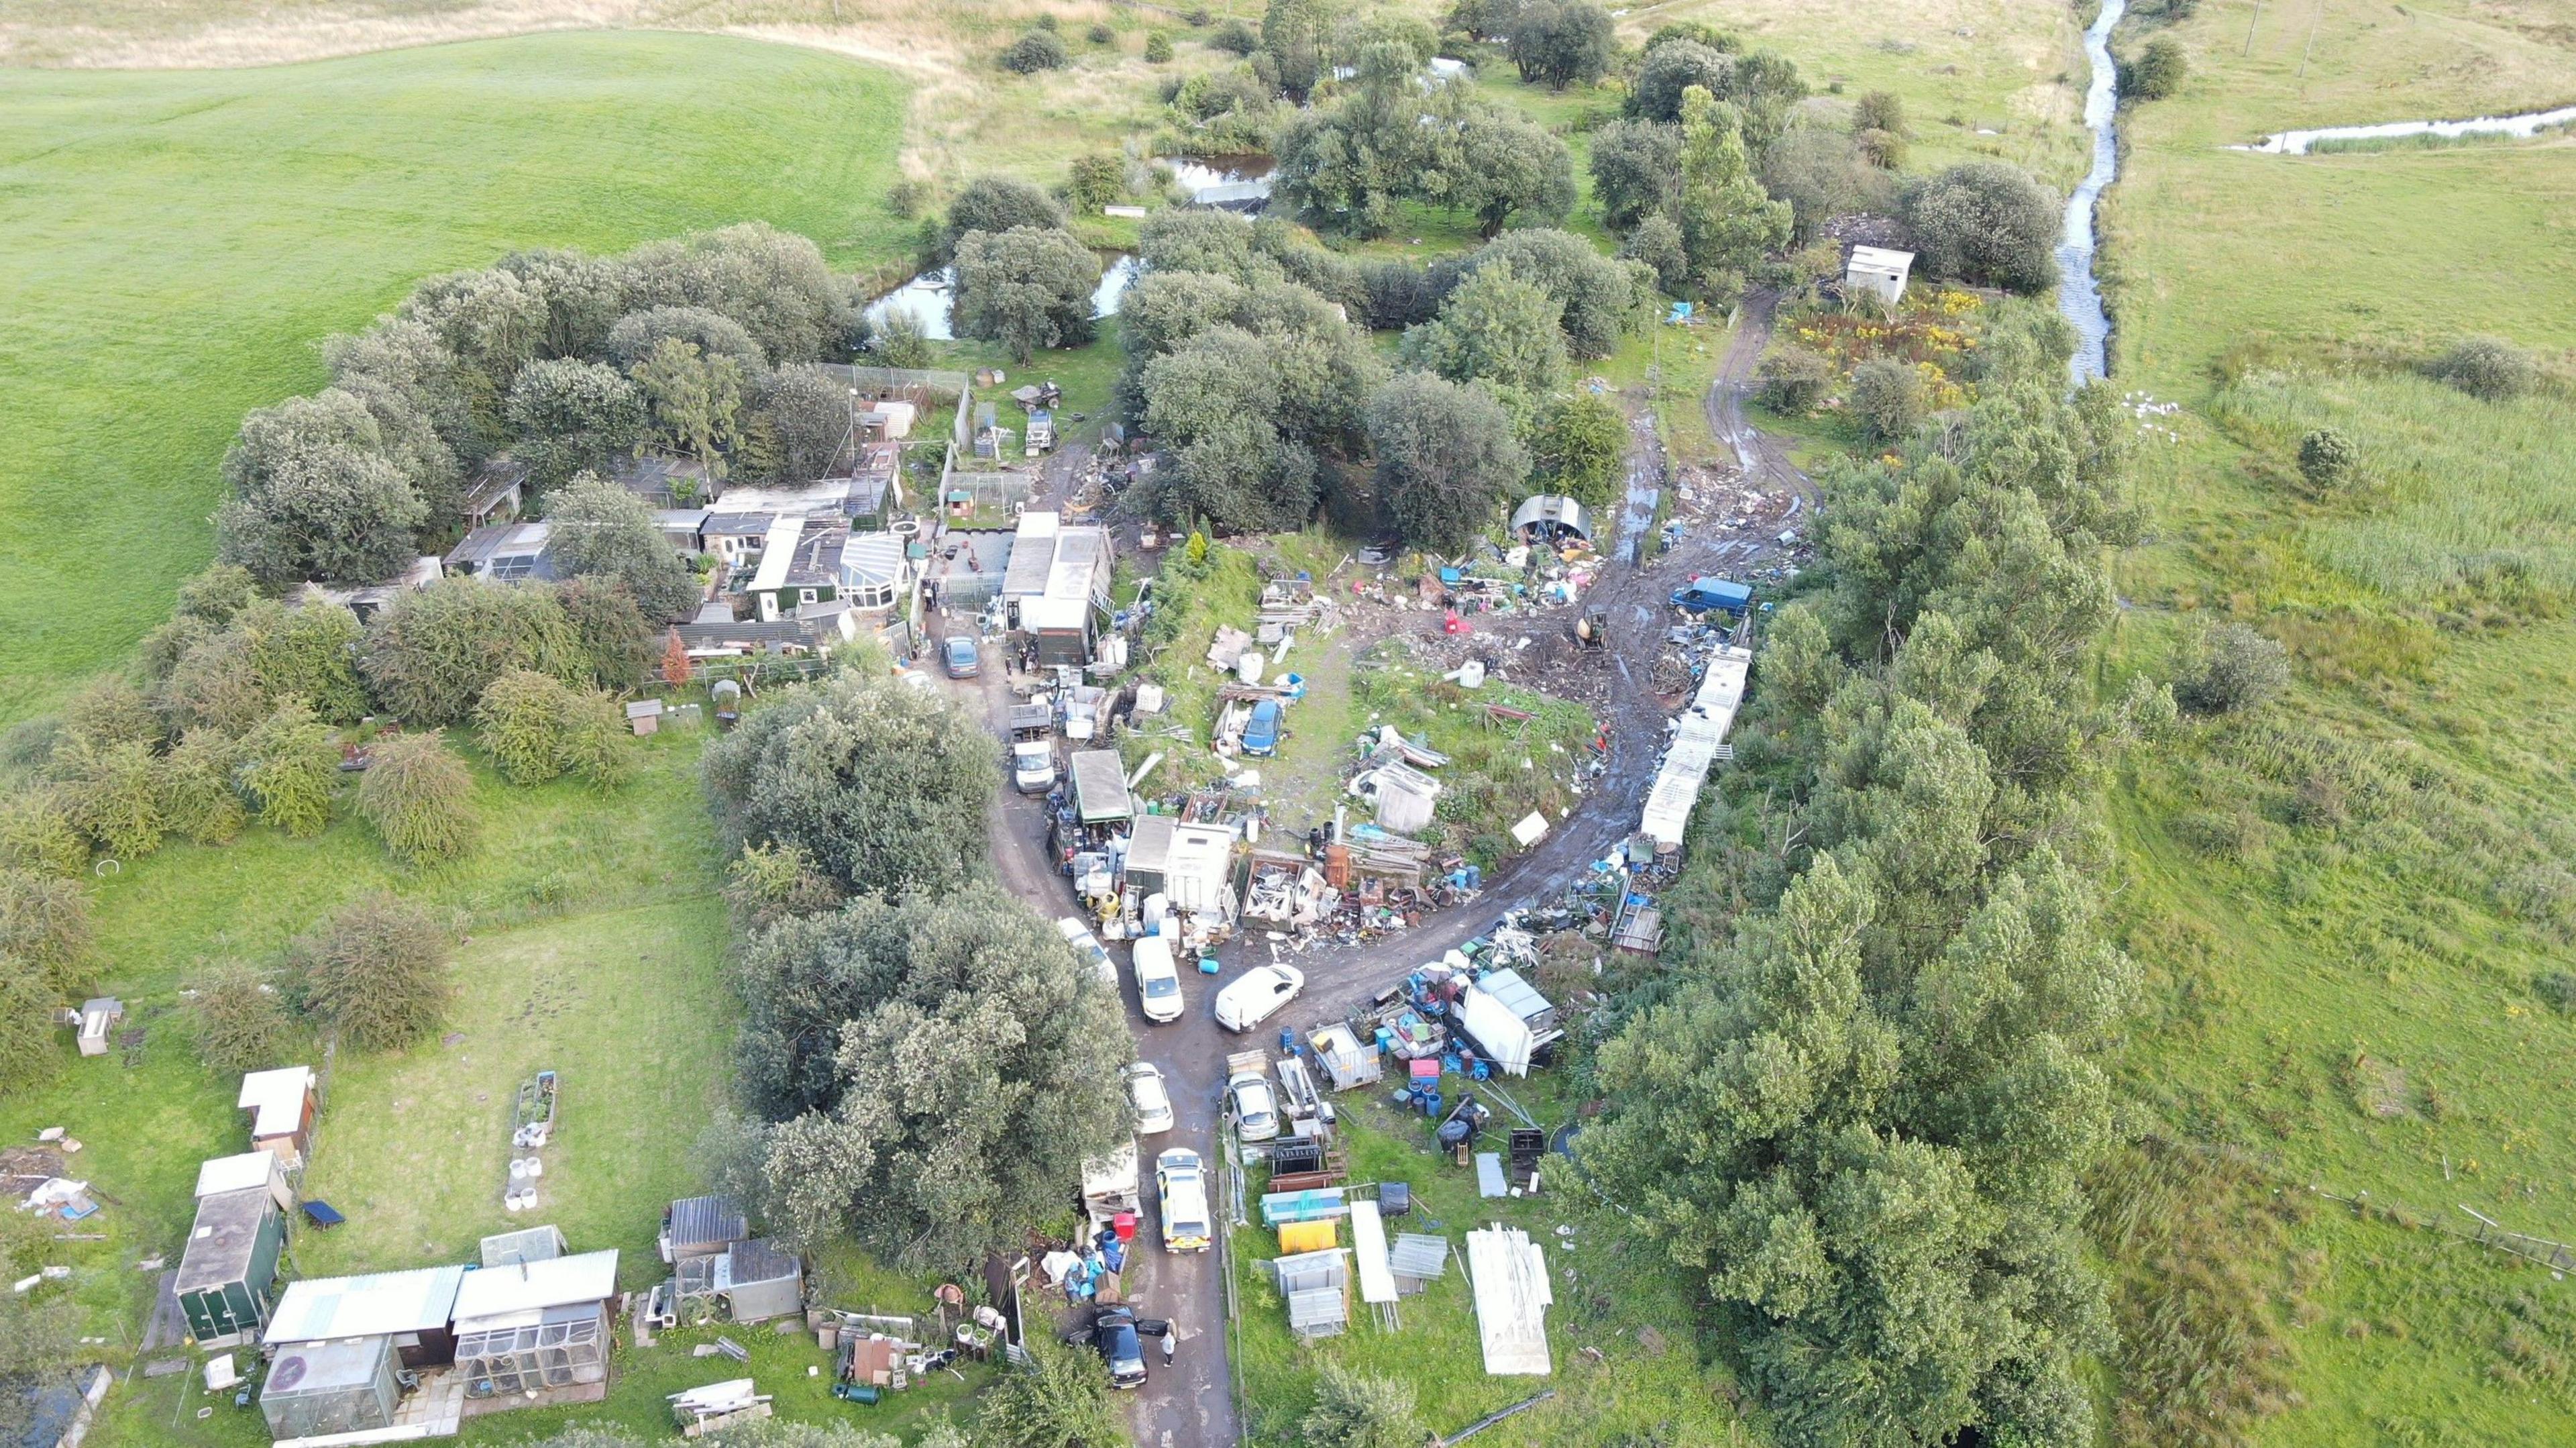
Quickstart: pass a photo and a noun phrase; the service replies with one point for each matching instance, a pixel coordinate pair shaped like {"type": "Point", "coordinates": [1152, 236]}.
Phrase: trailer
{"type": "Point", "coordinates": [1110, 1187]}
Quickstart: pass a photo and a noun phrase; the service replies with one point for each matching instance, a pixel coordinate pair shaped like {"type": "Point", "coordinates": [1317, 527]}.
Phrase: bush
{"type": "Point", "coordinates": [291, 766]}
{"type": "Point", "coordinates": [1793, 379]}
{"type": "Point", "coordinates": [2558, 988]}
{"type": "Point", "coordinates": [2158, 71]}
{"type": "Point", "coordinates": [1198, 17]}
{"type": "Point", "coordinates": [29, 1009]}
{"type": "Point", "coordinates": [768, 883]}
{"type": "Point", "coordinates": [536, 728]}
{"type": "Point", "coordinates": [1985, 221]}
{"type": "Point", "coordinates": [1887, 398]}
{"type": "Point", "coordinates": [44, 924]}
{"type": "Point", "coordinates": [2488, 368]}
{"type": "Point", "coordinates": [2327, 458]}
{"type": "Point", "coordinates": [1048, 23]}
{"type": "Point", "coordinates": [1353, 1411]}
{"type": "Point", "coordinates": [430, 655]}
{"type": "Point", "coordinates": [1158, 49]}
{"type": "Point", "coordinates": [114, 793]}
{"type": "Point", "coordinates": [37, 833]}
{"type": "Point", "coordinates": [242, 1024]}
{"type": "Point", "coordinates": [1062, 1398]}
{"type": "Point", "coordinates": [1036, 51]}
{"type": "Point", "coordinates": [906, 198]}
{"type": "Point", "coordinates": [420, 798]}
{"type": "Point", "coordinates": [1878, 110]}
{"type": "Point", "coordinates": [1235, 37]}
{"type": "Point", "coordinates": [1882, 149]}
{"type": "Point", "coordinates": [375, 971]}
{"type": "Point", "coordinates": [2235, 669]}
{"type": "Point", "coordinates": [1100, 34]}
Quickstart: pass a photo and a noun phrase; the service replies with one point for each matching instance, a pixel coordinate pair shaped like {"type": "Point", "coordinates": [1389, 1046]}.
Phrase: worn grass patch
{"type": "Point", "coordinates": [179, 242]}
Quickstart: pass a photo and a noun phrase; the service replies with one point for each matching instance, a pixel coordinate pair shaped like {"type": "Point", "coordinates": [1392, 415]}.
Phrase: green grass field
{"type": "Point", "coordinates": [180, 241]}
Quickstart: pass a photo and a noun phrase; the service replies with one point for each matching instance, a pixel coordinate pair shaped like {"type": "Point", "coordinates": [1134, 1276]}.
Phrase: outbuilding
{"type": "Point", "coordinates": [1100, 796]}
{"type": "Point", "coordinates": [98, 1016]}
{"type": "Point", "coordinates": [537, 1327]}
{"type": "Point", "coordinates": [1879, 272]}
{"type": "Point", "coordinates": [759, 1280]}
{"type": "Point", "coordinates": [415, 1311]}
{"type": "Point", "coordinates": [329, 1388]}
{"type": "Point", "coordinates": [695, 1227]}
{"type": "Point", "coordinates": [1551, 518]}
{"type": "Point", "coordinates": [282, 1105]}
{"type": "Point", "coordinates": [259, 1169]}
{"type": "Point", "coordinates": [227, 1280]}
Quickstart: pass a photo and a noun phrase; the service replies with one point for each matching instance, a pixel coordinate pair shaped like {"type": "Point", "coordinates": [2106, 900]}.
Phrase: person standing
{"type": "Point", "coordinates": [1171, 1342]}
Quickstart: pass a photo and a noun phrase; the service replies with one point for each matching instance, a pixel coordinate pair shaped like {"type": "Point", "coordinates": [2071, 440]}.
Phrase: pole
{"type": "Point", "coordinates": [2249, 28]}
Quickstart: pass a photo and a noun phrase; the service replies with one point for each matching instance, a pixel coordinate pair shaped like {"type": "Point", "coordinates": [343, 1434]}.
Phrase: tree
{"type": "Point", "coordinates": [1216, 400]}
{"type": "Point", "coordinates": [1034, 51]}
{"type": "Point", "coordinates": [375, 971]}
{"type": "Point", "coordinates": [677, 669]}
{"type": "Point", "coordinates": [597, 529]}
{"type": "Point", "coordinates": [1292, 35]}
{"type": "Point", "coordinates": [583, 296]}
{"type": "Point", "coordinates": [1235, 38]}
{"type": "Point", "coordinates": [1578, 448]}
{"type": "Point", "coordinates": [1024, 288]}
{"type": "Point", "coordinates": [2158, 71]}
{"type": "Point", "coordinates": [289, 766]}
{"type": "Point", "coordinates": [927, 1157]}
{"type": "Point", "coordinates": [774, 284]}
{"type": "Point", "coordinates": [2488, 368]}
{"type": "Point", "coordinates": [1821, 175]}
{"type": "Point", "coordinates": [998, 204]}
{"type": "Point", "coordinates": [1600, 299]}
{"type": "Point", "coordinates": [1636, 171]}
{"type": "Point", "coordinates": [614, 638]}
{"type": "Point", "coordinates": [902, 342]}
{"type": "Point", "coordinates": [1727, 222]}
{"type": "Point", "coordinates": [573, 416]}
{"type": "Point", "coordinates": [1158, 48]}
{"type": "Point", "coordinates": [197, 795]}
{"type": "Point", "coordinates": [420, 797]}
{"type": "Point", "coordinates": [1561, 44]}
{"type": "Point", "coordinates": [1355, 1411]}
{"type": "Point", "coordinates": [2233, 668]}
{"type": "Point", "coordinates": [114, 793]}
{"type": "Point", "coordinates": [30, 1018]}
{"type": "Point", "coordinates": [634, 338]}
{"type": "Point", "coordinates": [314, 496]}
{"type": "Point", "coordinates": [309, 650]}
{"type": "Point", "coordinates": [1657, 245]}
{"type": "Point", "coordinates": [242, 1023]}
{"type": "Point", "coordinates": [1354, 34]}
{"type": "Point", "coordinates": [44, 924]}
{"type": "Point", "coordinates": [536, 728]}
{"type": "Point", "coordinates": [1446, 458]}
{"type": "Point", "coordinates": [1878, 110]}
{"type": "Point", "coordinates": [430, 653]}
{"type": "Point", "coordinates": [215, 686]}
{"type": "Point", "coordinates": [2327, 458]}
{"type": "Point", "coordinates": [1985, 221]}
{"type": "Point", "coordinates": [884, 786]}
{"type": "Point", "coordinates": [1094, 180]}
{"type": "Point", "coordinates": [1671, 69]}
{"type": "Point", "coordinates": [696, 400]}
{"type": "Point", "coordinates": [38, 831]}
{"type": "Point", "coordinates": [1887, 397]}
{"type": "Point", "coordinates": [1498, 328]}
{"type": "Point", "coordinates": [1509, 167]}
{"type": "Point", "coordinates": [1060, 1400]}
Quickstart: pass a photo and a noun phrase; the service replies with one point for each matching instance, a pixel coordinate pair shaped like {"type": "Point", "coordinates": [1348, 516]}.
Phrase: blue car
{"type": "Point", "coordinates": [963, 661]}
{"type": "Point", "coordinates": [1261, 732]}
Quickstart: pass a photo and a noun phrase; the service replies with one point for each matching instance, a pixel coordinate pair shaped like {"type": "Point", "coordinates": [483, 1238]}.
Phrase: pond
{"type": "Point", "coordinates": [1234, 180]}
{"type": "Point", "coordinates": [925, 298]}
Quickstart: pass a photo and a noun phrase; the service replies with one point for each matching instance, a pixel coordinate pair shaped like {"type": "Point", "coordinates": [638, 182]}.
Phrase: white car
{"type": "Point", "coordinates": [1254, 1109]}
{"type": "Point", "coordinates": [1088, 946]}
{"type": "Point", "coordinates": [1181, 1182]}
{"type": "Point", "coordinates": [1158, 980]}
{"type": "Point", "coordinates": [1256, 994]}
{"type": "Point", "coordinates": [1148, 1100]}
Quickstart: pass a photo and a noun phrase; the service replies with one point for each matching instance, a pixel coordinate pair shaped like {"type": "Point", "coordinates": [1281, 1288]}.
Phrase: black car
{"type": "Point", "coordinates": [1118, 1334]}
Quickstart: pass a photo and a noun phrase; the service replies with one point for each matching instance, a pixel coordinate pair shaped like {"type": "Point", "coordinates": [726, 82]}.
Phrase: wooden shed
{"type": "Point", "coordinates": [226, 1285]}
{"type": "Point", "coordinates": [282, 1105]}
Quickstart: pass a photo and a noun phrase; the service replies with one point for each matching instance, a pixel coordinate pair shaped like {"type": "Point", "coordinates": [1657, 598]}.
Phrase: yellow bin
{"type": "Point", "coordinates": [1308, 1236]}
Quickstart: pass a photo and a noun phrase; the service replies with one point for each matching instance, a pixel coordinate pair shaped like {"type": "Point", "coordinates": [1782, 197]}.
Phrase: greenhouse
{"type": "Point", "coordinates": [320, 1388]}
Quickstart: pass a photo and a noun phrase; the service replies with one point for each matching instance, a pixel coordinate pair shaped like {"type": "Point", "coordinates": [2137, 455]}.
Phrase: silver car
{"type": "Point", "coordinates": [1149, 1101]}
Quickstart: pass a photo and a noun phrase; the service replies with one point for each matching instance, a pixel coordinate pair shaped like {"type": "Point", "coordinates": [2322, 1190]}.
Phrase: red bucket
{"type": "Point", "coordinates": [1124, 1224]}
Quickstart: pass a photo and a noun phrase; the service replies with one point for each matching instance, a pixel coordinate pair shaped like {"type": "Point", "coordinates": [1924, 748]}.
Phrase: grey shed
{"type": "Point", "coordinates": [760, 1280]}
{"type": "Point", "coordinates": [701, 1227]}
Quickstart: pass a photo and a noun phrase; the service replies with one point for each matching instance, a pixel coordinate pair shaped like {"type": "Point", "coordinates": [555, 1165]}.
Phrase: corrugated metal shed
{"type": "Point", "coordinates": [701, 1227]}
{"type": "Point", "coordinates": [529, 1286]}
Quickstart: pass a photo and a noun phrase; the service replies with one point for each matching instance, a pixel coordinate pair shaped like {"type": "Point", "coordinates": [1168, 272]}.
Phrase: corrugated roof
{"type": "Point", "coordinates": [1100, 786]}
{"type": "Point", "coordinates": [382, 1302]}
{"type": "Point", "coordinates": [760, 1260]}
{"type": "Point", "coordinates": [556, 1282]}
{"type": "Point", "coordinates": [1418, 1256]}
{"type": "Point", "coordinates": [705, 1223]}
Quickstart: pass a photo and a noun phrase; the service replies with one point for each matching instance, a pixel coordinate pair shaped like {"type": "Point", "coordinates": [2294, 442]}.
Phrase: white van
{"type": "Point", "coordinates": [1158, 980]}
{"type": "Point", "coordinates": [1088, 947]}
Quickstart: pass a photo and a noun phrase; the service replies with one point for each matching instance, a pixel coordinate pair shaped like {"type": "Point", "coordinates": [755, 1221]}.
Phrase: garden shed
{"type": "Point", "coordinates": [536, 1326]}
{"type": "Point", "coordinates": [759, 1280]}
{"type": "Point", "coordinates": [282, 1104]}
{"type": "Point", "coordinates": [318, 1389]}
{"type": "Point", "coordinates": [250, 1169]}
{"type": "Point", "coordinates": [1879, 272]}
{"type": "Point", "coordinates": [413, 1310]}
{"type": "Point", "coordinates": [226, 1285]}
{"type": "Point", "coordinates": [694, 1227]}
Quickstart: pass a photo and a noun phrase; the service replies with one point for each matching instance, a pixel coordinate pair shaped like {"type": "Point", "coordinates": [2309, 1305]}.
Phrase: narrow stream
{"type": "Point", "coordinates": [2521, 127]}
{"type": "Point", "coordinates": [2079, 293]}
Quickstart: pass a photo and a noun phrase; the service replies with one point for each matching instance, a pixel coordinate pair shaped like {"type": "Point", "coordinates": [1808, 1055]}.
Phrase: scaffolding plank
{"type": "Point", "coordinates": [1368, 1247]}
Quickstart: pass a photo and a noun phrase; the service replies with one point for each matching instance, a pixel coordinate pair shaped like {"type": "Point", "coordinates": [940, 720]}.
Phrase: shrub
{"type": "Point", "coordinates": [1158, 49]}
{"type": "Point", "coordinates": [1793, 378]}
{"type": "Point", "coordinates": [1887, 398]}
{"type": "Point", "coordinates": [37, 832]}
{"type": "Point", "coordinates": [2158, 71]}
{"type": "Point", "coordinates": [1354, 1411]}
{"type": "Point", "coordinates": [1197, 17]}
{"type": "Point", "coordinates": [2558, 988]}
{"type": "Point", "coordinates": [1985, 221]}
{"type": "Point", "coordinates": [430, 655]}
{"type": "Point", "coordinates": [1234, 37]}
{"type": "Point", "coordinates": [375, 971]}
{"type": "Point", "coordinates": [1100, 34]}
{"type": "Point", "coordinates": [1048, 23]}
{"type": "Point", "coordinates": [1061, 1397]}
{"type": "Point", "coordinates": [2327, 458]}
{"type": "Point", "coordinates": [766, 883]}
{"type": "Point", "coordinates": [2235, 669]}
{"type": "Point", "coordinates": [242, 1024]}
{"type": "Point", "coordinates": [28, 1015]}
{"type": "Point", "coordinates": [907, 197]}
{"type": "Point", "coordinates": [1036, 51]}
{"type": "Point", "coordinates": [114, 794]}
{"type": "Point", "coordinates": [44, 924]}
{"type": "Point", "coordinates": [290, 766]}
{"type": "Point", "coordinates": [1878, 110]}
{"type": "Point", "coordinates": [536, 728]}
{"type": "Point", "coordinates": [420, 798]}
{"type": "Point", "coordinates": [1657, 241]}
{"type": "Point", "coordinates": [1882, 149]}
{"type": "Point", "coordinates": [2488, 368]}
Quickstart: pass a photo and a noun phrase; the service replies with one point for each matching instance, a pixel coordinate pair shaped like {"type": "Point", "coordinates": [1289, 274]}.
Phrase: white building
{"type": "Point", "coordinates": [1879, 272]}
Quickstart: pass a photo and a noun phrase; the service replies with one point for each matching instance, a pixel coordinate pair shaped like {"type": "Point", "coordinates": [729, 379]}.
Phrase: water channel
{"type": "Point", "coordinates": [2522, 127]}
{"type": "Point", "coordinates": [2079, 292]}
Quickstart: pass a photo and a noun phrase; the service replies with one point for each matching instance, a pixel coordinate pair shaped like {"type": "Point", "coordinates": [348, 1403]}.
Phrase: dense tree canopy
{"type": "Point", "coordinates": [1600, 299]}
{"type": "Point", "coordinates": [430, 654]}
{"type": "Point", "coordinates": [1025, 288]}
{"type": "Point", "coordinates": [1558, 43]}
{"type": "Point", "coordinates": [1346, 164]}
{"type": "Point", "coordinates": [1985, 221]}
{"type": "Point", "coordinates": [1578, 448]}
{"type": "Point", "coordinates": [1727, 222]}
{"type": "Point", "coordinates": [997, 204]}
{"type": "Point", "coordinates": [316, 496]}
{"type": "Point", "coordinates": [573, 416]}
{"type": "Point", "coordinates": [1498, 329]}
{"type": "Point", "coordinates": [1636, 166]}
{"type": "Point", "coordinates": [598, 529]}
{"type": "Point", "coordinates": [1446, 458]}
{"type": "Point", "coordinates": [883, 786]}
{"type": "Point", "coordinates": [938, 1069]}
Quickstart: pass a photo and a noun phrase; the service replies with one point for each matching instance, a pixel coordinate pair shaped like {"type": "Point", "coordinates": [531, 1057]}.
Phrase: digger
{"type": "Point", "coordinates": [1593, 630]}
